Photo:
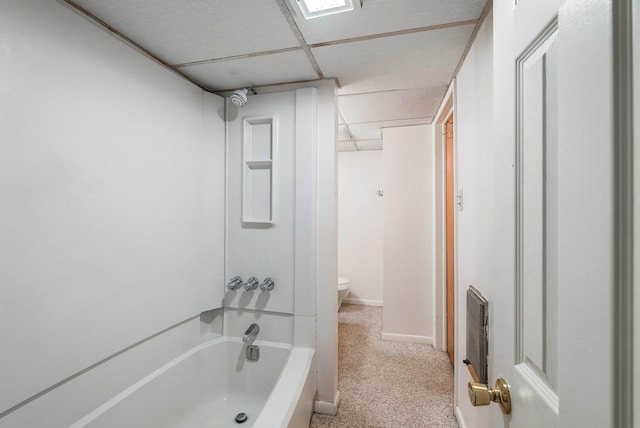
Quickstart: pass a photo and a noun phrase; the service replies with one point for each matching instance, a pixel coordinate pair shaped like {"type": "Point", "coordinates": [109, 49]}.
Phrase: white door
{"type": "Point", "coordinates": [550, 326]}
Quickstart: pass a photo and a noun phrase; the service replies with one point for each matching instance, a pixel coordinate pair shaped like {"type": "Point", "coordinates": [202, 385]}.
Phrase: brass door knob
{"type": "Point", "coordinates": [482, 395]}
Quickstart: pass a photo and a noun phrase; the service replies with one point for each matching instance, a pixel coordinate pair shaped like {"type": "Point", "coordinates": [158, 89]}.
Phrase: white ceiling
{"type": "Point", "coordinates": [392, 59]}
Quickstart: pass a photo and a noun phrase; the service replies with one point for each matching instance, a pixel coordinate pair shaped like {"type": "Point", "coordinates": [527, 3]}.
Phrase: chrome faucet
{"type": "Point", "coordinates": [267, 284]}
{"type": "Point", "coordinates": [235, 283]}
{"type": "Point", "coordinates": [251, 332]}
{"type": "Point", "coordinates": [251, 284]}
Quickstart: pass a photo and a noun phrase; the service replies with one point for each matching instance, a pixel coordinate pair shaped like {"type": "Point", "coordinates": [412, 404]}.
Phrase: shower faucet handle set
{"type": "Point", "coordinates": [251, 284]}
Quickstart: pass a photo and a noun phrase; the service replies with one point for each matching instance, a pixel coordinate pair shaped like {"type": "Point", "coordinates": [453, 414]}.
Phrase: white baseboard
{"type": "Point", "coordinates": [366, 302]}
{"type": "Point", "coordinates": [407, 338]}
{"type": "Point", "coordinates": [459, 417]}
{"type": "Point", "coordinates": [327, 408]}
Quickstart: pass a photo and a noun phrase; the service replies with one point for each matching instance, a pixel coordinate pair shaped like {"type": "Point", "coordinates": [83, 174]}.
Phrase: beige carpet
{"type": "Point", "coordinates": [387, 384]}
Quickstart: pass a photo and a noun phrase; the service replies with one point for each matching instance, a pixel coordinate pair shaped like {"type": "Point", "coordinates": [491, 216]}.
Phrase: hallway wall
{"type": "Point", "coordinates": [408, 234]}
{"type": "Point", "coordinates": [111, 182]}
{"type": "Point", "coordinates": [361, 223]}
{"type": "Point", "coordinates": [474, 155]}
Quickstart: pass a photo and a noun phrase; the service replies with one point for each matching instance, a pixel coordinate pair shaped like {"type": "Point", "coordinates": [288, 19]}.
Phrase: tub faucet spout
{"type": "Point", "coordinates": [251, 332]}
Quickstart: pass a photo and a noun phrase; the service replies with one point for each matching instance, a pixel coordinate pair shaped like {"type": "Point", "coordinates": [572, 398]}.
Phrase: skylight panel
{"type": "Point", "coordinates": [316, 8]}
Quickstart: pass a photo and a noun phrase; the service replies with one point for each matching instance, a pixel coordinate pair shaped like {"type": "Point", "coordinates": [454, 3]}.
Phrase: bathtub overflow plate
{"type": "Point", "coordinates": [241, 418]}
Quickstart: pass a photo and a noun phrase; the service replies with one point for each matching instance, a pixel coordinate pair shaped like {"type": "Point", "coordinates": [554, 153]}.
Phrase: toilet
{"type": "Point", "coordinates": [343, 290]}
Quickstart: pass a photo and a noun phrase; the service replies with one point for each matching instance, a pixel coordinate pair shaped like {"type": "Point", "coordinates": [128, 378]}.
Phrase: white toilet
{"type": "Point", "coordinates": [343, 290]}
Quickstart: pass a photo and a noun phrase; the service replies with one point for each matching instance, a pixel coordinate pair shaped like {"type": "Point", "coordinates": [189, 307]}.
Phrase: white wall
{"type": "Point", "coordinates": [474, 225]}
{"type": "Point", "coordinates": [408, 233]}
{"type": "Point", "coordinates": [111, 185]}
{"type": "Point", "coordinates": [361, 223]}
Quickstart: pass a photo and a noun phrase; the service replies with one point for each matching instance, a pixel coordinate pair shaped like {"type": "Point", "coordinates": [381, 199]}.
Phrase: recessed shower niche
{"type": "Point", "coordinates": [258, 149]}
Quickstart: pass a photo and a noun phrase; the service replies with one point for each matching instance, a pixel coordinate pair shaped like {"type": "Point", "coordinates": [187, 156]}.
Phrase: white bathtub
{"type": "Point", "coordinates": [213, 382]}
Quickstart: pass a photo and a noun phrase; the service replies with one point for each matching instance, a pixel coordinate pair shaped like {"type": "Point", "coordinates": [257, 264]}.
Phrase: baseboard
{"type": "Point", "coordinates": [366, 302]}
{"type": "Point", "coordinates": [327, 408]}
{"type": "Point", "coordinates": [459, 417]}
{"type": "Point", "coordinates": [407, 338]}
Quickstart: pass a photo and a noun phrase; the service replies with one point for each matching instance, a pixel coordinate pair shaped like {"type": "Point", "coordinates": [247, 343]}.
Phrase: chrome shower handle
{"type": "Point", "coordinates": [251, 284]}
{"type": "Point", "coordinates": [235, 283]}
{"type": "Point", "coordinates": [267, 284]}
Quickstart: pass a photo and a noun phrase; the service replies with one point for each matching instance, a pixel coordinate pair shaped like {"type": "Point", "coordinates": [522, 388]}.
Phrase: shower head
{"type": "Point", "coordinates": [239, 97]}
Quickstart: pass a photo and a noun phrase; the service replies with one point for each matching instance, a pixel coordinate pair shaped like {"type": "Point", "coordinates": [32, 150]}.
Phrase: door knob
{"type": "Point", "coordinates": [482, 395]}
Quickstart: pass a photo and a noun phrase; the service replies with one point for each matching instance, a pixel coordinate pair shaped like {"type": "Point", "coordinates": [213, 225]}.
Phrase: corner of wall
{"type": "Point", "coordinates": [327, 246]}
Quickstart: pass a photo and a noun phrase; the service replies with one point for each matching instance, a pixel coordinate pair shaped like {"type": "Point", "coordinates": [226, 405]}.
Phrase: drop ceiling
{"type": "Point", "coordinates": [392, 59]}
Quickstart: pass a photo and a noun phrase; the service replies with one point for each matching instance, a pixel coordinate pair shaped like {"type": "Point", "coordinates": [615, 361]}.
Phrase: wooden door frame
{"type": "Point", "coordinates": [446, 109]}
{"type": "Point", "coordinates": [450, 236]}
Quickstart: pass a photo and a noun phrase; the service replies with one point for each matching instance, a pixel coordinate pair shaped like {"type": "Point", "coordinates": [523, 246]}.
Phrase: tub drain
{"type": "Point", "coordinates": [241, 418]}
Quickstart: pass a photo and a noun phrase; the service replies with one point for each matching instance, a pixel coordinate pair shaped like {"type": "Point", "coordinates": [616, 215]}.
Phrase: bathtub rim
{"type": "Point", "coordinates": [121, 396]}
{"type": "Point", "coordinates": [284, 400]}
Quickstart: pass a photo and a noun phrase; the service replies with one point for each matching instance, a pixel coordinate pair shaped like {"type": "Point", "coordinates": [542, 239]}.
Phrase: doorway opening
{"type": "Point", "coordinates": [450, 207]}
{"type": "Point", "coordinates": [445, 214]}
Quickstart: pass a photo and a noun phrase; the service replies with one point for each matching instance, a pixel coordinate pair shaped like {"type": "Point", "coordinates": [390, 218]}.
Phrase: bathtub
{"type": "Point", "coordinates": [210, 384]}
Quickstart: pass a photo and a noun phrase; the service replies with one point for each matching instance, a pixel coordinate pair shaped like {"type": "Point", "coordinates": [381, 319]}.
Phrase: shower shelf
{"type": "Point", "coordinates": [259, 148]}
{"type": "Point", "coordinates": [266, 164]}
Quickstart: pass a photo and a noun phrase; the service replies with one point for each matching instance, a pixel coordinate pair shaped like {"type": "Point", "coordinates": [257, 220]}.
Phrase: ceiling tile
{"type": "Point", "coordinates": [366, 131]}
{"type": "Point", "coordinates": [370, 145]}
{"type": "Point", "coordinates": [373, 130]}
{"type": "Point", "coordinates": [388, 16]}
{"type": "Point", "coordinates": [180, 31]}
{"type": "Point", "coordinates": [346, 146]}
{"type": "Point", "coordinates": [342, 133]}
{"type": "Point", "coordinates": [405, 122]}
{"type": "Point", "coordinates": [369, 136]}
{"type": "Point", "coordinates": [414, 60]}
{"type": "Point", "coordinates": [391, 105]}
{"type": "Point", "coordinates": [253, 71]}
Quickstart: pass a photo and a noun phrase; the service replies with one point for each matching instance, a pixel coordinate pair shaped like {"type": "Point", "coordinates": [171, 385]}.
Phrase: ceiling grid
{"type": "Point", "coordinates": [392, 61]}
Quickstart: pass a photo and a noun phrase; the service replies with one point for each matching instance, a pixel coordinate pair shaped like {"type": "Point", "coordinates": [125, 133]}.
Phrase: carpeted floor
{"type": "Point", "coordinates": [387, 384]}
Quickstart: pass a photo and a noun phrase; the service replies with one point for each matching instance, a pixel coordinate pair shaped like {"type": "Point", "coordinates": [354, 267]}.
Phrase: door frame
{"type": "Point", "coordinates": [626, 65]}
{"type": "Point", "coordinates": [446, 109]}
{"type": "Point", "coordinates": [630, 319]}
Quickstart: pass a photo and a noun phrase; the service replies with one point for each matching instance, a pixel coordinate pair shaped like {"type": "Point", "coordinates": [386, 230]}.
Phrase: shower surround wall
{"type": "Point", "coordinates": [271, 207]}
{"type": "Point", "coordinates": [294, 240]}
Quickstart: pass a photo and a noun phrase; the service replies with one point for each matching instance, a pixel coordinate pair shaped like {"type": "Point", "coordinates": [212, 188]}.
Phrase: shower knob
{"type": "Point", "coordinates": [267, 284]}
{"type": "Point", "coordinates": [251, 284]}
{"type": "Point", "coordinates": [235, 283]}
